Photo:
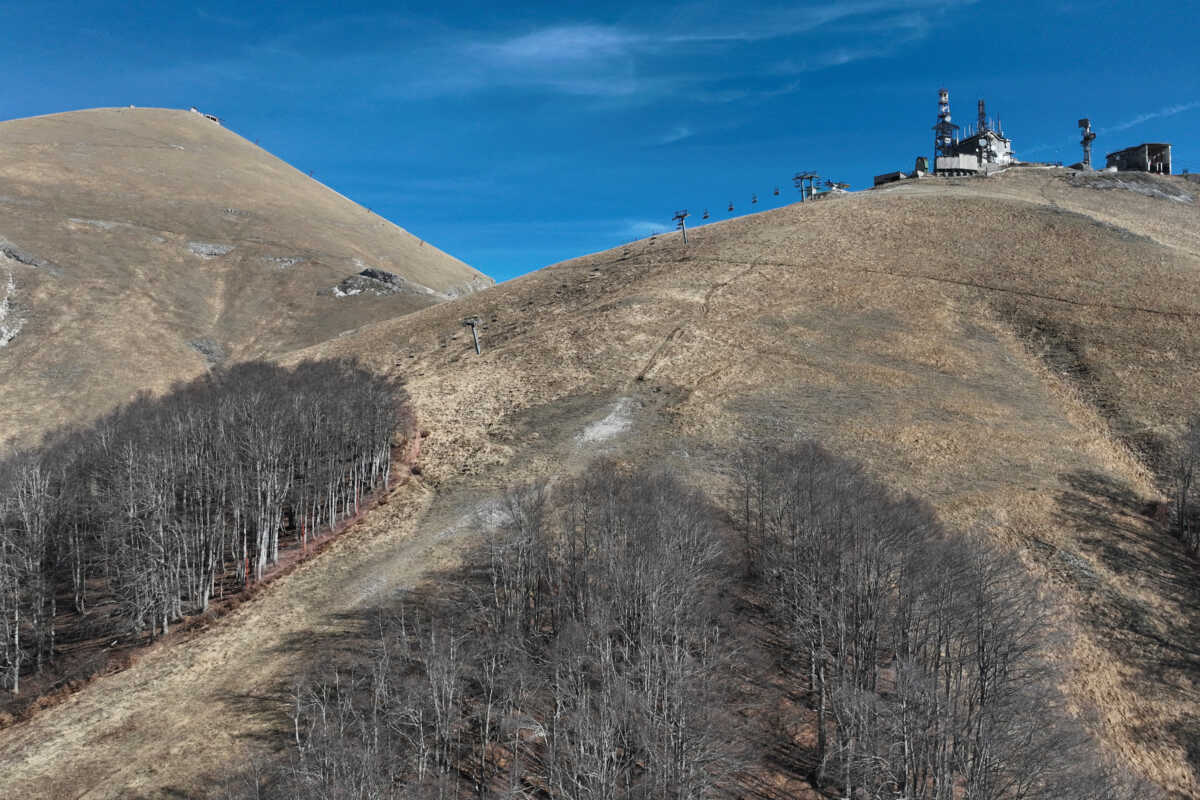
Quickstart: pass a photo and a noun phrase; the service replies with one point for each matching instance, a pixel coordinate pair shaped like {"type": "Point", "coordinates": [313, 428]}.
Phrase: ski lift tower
{"type": "Point", "coordinates": [1085, 125]}
{"type": "Point", "coordinates": [681, 224]}
{"type": "Point", "coordinates": [806, 182]}
{"type": "Point", "coordinates": [473, 323]}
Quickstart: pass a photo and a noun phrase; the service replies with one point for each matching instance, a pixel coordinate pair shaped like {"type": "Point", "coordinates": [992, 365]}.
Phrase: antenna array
{"type": "Point", "coordinates": [1085, 125]}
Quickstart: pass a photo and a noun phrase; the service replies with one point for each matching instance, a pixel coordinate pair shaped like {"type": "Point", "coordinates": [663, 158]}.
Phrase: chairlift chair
{"type": "Point", "coordinates": [731, 205]}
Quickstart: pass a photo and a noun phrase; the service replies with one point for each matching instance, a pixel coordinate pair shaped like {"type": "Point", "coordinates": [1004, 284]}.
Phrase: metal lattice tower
{"type": "Point", "coordinates": [983, 120]}
{"type": "Point", "coordinates": [944, 131]}
{"type": "Point", "coordinates": [1085, 125]}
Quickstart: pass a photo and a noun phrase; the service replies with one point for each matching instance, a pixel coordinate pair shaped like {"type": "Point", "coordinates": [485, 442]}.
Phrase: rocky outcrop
{"type": "Point", "coordinates": [381, 283]}
{"type": "Point", "coordinates": [377, 282]}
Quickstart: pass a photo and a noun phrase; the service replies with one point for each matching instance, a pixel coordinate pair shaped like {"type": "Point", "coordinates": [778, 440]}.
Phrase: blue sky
{"type": "Point", "coordinates": [514, 136]}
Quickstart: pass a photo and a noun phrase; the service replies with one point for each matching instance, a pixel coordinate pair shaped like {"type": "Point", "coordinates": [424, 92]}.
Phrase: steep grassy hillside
{"type": "Point", "coordinates": [146, 244]}
{"type": "Point", "coordinates": [1013, 350]}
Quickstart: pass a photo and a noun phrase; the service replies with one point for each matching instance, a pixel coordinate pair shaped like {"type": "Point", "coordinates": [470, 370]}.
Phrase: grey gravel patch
{"type": "Point", "coordinates": [213, 353]}
{"type": "Point", "coordinates": [235, 212]}
{"type": "Point", "coordinates": [377, 282]}
{"type": "Point", "coordinates": [102, 224]}
{"type": "Point", "coordinates": [209, 250]}
{"type": "Point", "coordinates": [9, 200]}
{"type": "Point", "coordinates": [285, 262]}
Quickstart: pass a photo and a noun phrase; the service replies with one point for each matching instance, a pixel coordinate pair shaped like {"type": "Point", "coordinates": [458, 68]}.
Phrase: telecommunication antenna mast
{"type": "Point", "coordinates": [944, 131]}
{"type": "Point", "coordinates": [1085, 125]}
{"type": "Point", "coordinates": [681, 224]}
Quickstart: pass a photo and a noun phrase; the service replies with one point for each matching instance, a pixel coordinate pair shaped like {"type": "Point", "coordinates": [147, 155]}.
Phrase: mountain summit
{"type": "Point", "coordinates": [142, 246]}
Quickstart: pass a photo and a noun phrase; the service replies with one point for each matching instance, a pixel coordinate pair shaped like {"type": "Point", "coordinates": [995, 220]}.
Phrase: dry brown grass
{"type": "Point", "coordinates": [107, 202]}
{"type": "Point", "coordinates": [1007, 349]}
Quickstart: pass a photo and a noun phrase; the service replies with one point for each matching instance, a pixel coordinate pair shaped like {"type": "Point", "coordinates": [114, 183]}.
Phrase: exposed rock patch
{"type": "Point", "coordinates": [213, 353]}
{"type": "Point", "coordinates": [209, 250]}
{"type": "Point", "coordinates": [11, 251]}
{"type": "Point", "coordinates": [378, 282]}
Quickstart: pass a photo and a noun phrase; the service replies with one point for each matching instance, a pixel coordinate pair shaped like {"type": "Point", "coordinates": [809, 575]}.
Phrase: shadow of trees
{"type": "Point", "coordinates": [1154, 625]}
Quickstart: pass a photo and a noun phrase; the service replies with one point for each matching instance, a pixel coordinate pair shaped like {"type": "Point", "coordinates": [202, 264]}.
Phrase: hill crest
{"type": "Point", "coordinates": [146, 245]}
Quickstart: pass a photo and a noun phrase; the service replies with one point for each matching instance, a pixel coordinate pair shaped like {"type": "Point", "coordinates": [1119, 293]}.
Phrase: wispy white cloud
{"type": "Point", "coordinates": [698, 48]}
{"type": "Point", "coordinates": [1132, 122]}
{"type": "Point", "coordinates": [1168, 111]}
{"type": "Point", "coordinates": [626, 60]}
{"type": "Point", "coordinates": [641, 228]}
{"type": "Point", "coordinates": [676, 134]}
{"type": "Point", "coordinates": [725, 22]}
{"type": "Point", "coordinates": [561, 44]}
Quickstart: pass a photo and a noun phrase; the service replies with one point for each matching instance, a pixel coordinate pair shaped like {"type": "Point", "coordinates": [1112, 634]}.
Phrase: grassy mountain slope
{"type": "Point", "coordinates": [1013, 350]}
{"type": "Point", "coordinates": [146, 244]}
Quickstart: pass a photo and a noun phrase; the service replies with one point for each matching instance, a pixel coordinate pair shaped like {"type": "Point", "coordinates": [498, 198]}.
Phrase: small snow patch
{"type": "Point", "coordinates": [463, 289]}
{"type": "Point", "coordinates": [1131, 182]}
{"type": "Point", "coordinates": [10, 322]}
{"type": "Point", "coordinates": [617, 422]}
{"type": "Point", "coordinates": [209, 250]}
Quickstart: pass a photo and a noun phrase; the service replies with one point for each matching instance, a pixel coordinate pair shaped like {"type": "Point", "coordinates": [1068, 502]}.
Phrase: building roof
{"type": "Point", "coordinates": [991, 133]}
{"type": "Point", "coordinates": [1136, 146]}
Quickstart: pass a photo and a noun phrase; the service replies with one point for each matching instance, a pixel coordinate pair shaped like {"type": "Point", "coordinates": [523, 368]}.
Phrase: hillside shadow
{"type": "Point", "coordinates": [1154, 632]}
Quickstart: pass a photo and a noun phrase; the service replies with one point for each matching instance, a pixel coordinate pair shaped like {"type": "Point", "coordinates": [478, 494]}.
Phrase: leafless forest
{"type": "Point", "coordinates": [118, 530]}
{"type": "Point", "coordinates": [1186, 477]}
{"type": "Point", "coordinates": [590, 650]}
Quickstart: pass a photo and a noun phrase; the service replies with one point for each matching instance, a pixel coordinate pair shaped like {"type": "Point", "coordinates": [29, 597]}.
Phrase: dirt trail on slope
{"type": "Point", "coordinates": [188, 710]}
